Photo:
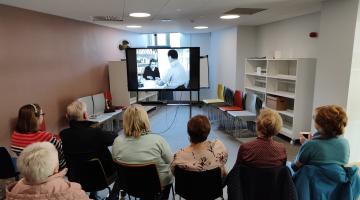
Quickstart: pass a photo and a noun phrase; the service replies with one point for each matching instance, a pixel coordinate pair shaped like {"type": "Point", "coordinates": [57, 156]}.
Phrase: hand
{"type": "Point", "coordinates": [159, 82]}
{"type": "Point", "coordinates": [149, 78]}
{"type": "Point", "coordinates": [302, 137]}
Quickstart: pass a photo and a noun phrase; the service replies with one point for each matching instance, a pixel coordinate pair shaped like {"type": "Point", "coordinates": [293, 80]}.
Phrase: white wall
{"type": "Point", "coordinates": [290, 36]}
{"type": "Point", "coordinates": [246, 47]}
{"type": "Point", "coordinates": [134, 39]}
{"type": "Point", "coordinates": [337, 28]}
{"type": "Point", "coordinates": [353, 105]}
{"type": "Point", "coordinates": [223, 58]}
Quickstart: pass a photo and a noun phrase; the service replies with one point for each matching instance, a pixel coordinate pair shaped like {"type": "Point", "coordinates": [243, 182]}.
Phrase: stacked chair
{"type": "Point", "coordinates": [209, 103]}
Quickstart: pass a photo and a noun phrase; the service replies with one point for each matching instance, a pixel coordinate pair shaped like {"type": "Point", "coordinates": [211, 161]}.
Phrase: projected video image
{"type": "Point", "coordinates": [163, 68]}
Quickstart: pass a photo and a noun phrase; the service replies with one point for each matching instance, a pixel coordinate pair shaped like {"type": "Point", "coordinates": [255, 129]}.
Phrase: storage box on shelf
{"type": "Point", "coordinates": [288, 80]}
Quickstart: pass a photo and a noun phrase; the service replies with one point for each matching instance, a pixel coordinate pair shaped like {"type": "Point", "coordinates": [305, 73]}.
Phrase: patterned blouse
{"type": "Point", "coordinates": [201, 157]}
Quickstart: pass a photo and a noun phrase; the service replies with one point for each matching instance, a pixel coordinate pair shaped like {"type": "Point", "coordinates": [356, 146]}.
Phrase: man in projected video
{"type": "Point", "coordinates": [175, 77]}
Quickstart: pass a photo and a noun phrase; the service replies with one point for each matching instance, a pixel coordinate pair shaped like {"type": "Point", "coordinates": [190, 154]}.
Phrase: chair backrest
{"type": "Point", "coordinates": [220, 91]}
{"type": "Point", "coordinates": [89, 173]}
{"type": "Point", "coordinates": [261, 183]}
{"type": "Point", "coordinates": [140, 181]}
{"type": "Point", "coordinates": [7, 169]}
{"type": "Point", "coordinates": [250, 102]}
{"type": "Point", "coordinates": [238, 99]}
{"type": "Point", "coordinates": [198, 185]}
{"type": "Point", "coordinates": [229, 97]}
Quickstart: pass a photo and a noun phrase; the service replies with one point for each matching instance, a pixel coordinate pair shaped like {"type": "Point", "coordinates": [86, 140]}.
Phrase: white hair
{"type": "Point", "coordinates": [76, 110]}
{"type": "Point", "coordinates": [38, 161]}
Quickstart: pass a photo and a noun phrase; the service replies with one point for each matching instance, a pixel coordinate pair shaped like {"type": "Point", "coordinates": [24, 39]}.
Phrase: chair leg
{"type": "Point", "coordinates": [172, 189]}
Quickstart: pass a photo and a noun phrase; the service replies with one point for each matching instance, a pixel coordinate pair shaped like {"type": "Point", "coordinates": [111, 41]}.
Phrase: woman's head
{"type": "Point", "coordinates": [198, 128]}
{"type": "Point", "coordinates": [135, 121]}
{"type": "Point", "coordinates": [30, 117]}
{"type": "Point", "coordinates": [38, 161]}
{"type": "Point", "coordinates": [268, 123]}
{"type": "Point", "coordinates": [330, 120]}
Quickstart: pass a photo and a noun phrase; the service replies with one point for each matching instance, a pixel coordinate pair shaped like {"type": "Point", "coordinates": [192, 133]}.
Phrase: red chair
{"type": "Point", "coordinates": [238, 103]}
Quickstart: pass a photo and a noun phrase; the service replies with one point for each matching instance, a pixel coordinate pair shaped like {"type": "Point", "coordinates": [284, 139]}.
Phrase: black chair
{"type": "Point", "coordinates": [247, 183]}
{"type": "Point", "coordinates": [7, 168]}
{"type": "Point", "coordinates": [90, 174]}
{"type": "Point", "coordinates": [205, 185]}
{"type": "Point", "coordinates": [139, 181]}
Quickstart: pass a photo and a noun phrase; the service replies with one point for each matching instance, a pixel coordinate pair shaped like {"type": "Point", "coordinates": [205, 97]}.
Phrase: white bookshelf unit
{"type": "Point", "coordinates": [291, 79]}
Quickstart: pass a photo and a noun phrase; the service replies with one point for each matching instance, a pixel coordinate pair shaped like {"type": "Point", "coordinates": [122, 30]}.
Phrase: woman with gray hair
{"type": "Point", "coordinates": [141, 146]}
{"type": "Point", "coordinates": [39, 165]}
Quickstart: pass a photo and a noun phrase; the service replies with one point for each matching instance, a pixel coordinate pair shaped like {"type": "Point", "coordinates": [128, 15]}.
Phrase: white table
{"type": "Point", "coordinates": [108, 121]}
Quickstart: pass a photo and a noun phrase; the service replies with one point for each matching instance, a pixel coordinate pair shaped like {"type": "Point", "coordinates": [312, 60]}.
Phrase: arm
{"type": "Point", "coordinates": [304, 156]}
{"type": "Point", "coordinates": [107, 137]}
{"type": "Point", "coordinates": [58, 144]}
{"type": "Point", "coordinates": [166, 153]}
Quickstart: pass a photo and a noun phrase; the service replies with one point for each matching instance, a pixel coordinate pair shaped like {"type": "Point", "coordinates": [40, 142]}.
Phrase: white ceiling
{"type": "Point", "coordinates": [185, 13]}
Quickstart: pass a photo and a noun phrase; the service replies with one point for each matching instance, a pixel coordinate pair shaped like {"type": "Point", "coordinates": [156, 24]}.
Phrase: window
{"type": "Point", "coordinates": [165, 39]}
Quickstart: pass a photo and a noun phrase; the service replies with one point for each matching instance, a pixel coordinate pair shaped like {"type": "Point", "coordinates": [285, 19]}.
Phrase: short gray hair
{"type": "Point", "coordinates": [76, 110]}
{"type": "Point", "coordinates": [38, 161]}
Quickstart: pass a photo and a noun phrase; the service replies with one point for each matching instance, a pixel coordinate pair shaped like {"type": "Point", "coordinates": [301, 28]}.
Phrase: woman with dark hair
{"type": "Point", "coordinates": [28, 130]}
{"type": "Point", "coordinates": [327, 146]}
{"type": "Point", "coordinates": [201, 154]}
{"type": "Point", "coordinates": [151, 71]}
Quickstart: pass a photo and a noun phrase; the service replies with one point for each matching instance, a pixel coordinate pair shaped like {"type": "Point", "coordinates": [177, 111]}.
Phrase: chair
{"type": "Point", "coordinates": [218, 100]}
{"type": "Point", "coordinates": [139, 181]}
{"type": "Point", "coordinates": [327, 181]}
{"type": "Point", "coordinates": [205, 185]}
{"type": "Point", "coordinates": [7, 166]}
{"type": "Point", "coordinates": [238, 103]}
{"type": "Point", "coordinates": [90, 174]}
{"type": "Point", "coordinates": [251, 108]}
{"type": "Point", "coordinates": [247, 183]}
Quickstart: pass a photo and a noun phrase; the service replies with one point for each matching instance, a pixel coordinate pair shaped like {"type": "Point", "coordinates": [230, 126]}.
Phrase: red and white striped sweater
{"type": "Point", "coordinates": [21, 140]}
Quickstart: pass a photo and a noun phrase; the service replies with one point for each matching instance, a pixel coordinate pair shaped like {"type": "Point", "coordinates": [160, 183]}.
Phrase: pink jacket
{"type": "Point", "coordinates": [55, 188]}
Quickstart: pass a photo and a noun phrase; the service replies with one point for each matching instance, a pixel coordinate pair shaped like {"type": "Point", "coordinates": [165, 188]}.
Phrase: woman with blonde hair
{"type": "Point", "coordinates": [39, 165]}
{"type": "Point", "coordinates": [264, 151]}
{"type": "Point", "coordinates": [139, 145]}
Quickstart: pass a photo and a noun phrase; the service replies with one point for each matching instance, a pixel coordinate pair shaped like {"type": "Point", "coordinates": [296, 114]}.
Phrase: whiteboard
{"type": "Point", "coordinates": [204, 72]}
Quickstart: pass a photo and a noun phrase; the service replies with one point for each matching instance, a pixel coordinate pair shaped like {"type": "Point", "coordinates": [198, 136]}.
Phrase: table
{"type": "Point", "coordinates": [107, 121]}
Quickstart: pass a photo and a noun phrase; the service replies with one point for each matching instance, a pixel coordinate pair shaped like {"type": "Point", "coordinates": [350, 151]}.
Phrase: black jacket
{"type": "Point", "coordinates": [245, 183]}
{"type": "Point", "coordinates": [148, 72]}
{"type": "Point", "coordinates": [82, 142]}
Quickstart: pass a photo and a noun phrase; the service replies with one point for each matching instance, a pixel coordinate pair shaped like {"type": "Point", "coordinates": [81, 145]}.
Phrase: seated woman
{"type": "Point", "coordinates": [141, 146]}
{"type": "Point", "coordinates": [39, 166]}
{"type": "Point", "coordinates": [201, 154]}
{"type": "Point", "coordinates": [327, 146]}
{"type": "Point", "coordinates": [151, 71]}
{"type": "Point", "coordinates": [28, 131]}
{"type": "Point", "coordinates": [264, 151]}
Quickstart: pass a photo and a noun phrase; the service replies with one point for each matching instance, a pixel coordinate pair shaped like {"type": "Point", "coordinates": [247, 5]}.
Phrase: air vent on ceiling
{"type": "Point", "coordinates": [244, 11]}
{"type": "Point", "coordinates": [107, 18]}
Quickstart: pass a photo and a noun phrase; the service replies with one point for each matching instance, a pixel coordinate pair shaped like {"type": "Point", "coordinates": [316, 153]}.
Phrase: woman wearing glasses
{"type": "Point", "coordinates": [30, 129]}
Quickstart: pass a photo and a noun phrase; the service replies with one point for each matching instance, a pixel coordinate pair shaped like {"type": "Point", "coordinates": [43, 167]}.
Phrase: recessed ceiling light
{"type": "Point", "coordinates": [133, 26]}
{"type": "Point", "coordinates": [140, 14]}
{"type": "Point", "coordinates": [201, 27]}
{"type": "Point", "coordinates": [165, 20]}
{"type": "Point", "coordinates": [230, 16]}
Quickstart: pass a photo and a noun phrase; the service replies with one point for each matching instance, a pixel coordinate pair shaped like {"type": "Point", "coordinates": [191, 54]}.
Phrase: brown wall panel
{"type": "Point", "coordinates": [50, 60]}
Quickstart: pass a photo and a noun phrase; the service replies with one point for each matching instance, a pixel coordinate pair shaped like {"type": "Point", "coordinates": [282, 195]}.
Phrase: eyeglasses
{"type": "Point", "coordinates": [42, 114]}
